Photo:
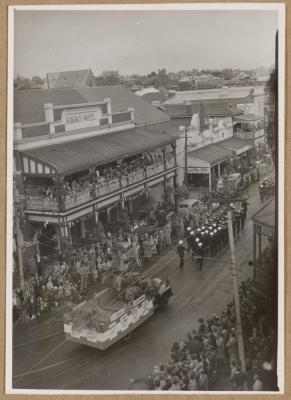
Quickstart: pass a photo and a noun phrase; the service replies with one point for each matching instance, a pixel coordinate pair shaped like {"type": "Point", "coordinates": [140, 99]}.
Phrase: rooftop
{"type": "Point", "coordinates": [29, 104]}
{"type": "Point", "coordinates": [212, 154]}
{"type": "Point", "coordinates": [68, 79]}
{"type": "Point", "coordinates": [78, 155]}
{"type": "Point", "coordinates": [234, 92]}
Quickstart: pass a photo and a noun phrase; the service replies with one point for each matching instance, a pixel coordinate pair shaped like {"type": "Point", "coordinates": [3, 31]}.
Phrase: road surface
{"type": "Point", "coordinates": [43, 359]}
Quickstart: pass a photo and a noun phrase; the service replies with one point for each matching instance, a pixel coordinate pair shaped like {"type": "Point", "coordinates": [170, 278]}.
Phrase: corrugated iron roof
{"type": "Point", "coordinates": [235, 143]}
{"type": "Point", "coordinates": [29, 104]}
{"type": "Point", "coordinates": [79, 155]}
{"type": "Point", "coordinates": [248, 118]}
{"type": "Point", "coordinates": [266, 215]}
{"type": "Point", "coordinates": [211, 154]}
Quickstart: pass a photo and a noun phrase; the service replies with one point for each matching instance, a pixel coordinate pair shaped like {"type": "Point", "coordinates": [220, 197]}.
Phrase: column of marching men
{"type": "Point", "coordinates": [207, 241]}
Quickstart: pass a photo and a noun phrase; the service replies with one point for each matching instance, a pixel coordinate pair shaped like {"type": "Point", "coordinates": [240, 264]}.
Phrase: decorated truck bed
{"type": "Point", "coordinates": [115, 311]}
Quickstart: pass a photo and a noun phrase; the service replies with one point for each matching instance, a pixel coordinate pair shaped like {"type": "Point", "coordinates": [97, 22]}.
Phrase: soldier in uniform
{"type": "Point", "coordinates": [181, 253]}
{"type": "Point", "coordinates": [219, 238]}
{"type": "Point", "coordinates": [211, 243]}
{"type": "Point", "coordinates": [200, 258]}
{"type": "Point", "coordinates": [191, 242]}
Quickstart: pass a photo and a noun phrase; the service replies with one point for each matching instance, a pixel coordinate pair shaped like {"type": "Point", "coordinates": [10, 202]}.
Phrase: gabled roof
{"type": "Point", "coordinates": [28, 104]}
{"type": "Point", "coordinates": [78, 155]}
{"type": "Point", "coordinates": [68, 79]}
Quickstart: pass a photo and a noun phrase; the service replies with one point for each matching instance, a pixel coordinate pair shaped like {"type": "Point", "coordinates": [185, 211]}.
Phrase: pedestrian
{"type": "Point", "coordinates": [181, 253]}
{"type": "Point", "coordinates": [258, 384]}
{"type": "Point", "coordinates": [38, 263]}
{"type": "Point", "coordinates": [239, 379]}
{"type": "Point", "coordinates": [242, 218]}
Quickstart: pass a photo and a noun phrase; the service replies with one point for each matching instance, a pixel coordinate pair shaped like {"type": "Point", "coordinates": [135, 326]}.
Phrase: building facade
{"type": "Point", "coordinates": [219, 125]}
{"type": "Point", "coordinates": [82, 155]}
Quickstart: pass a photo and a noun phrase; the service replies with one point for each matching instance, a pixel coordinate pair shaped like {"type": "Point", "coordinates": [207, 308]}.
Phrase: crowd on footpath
{"type": "Point", "coordinates": [207, 238]}
{"type": "Point", "coordinates": [198, 362]}
{"type": "Point", "coordinates": [267, 188]}
{"type": "Point", "coordinates": [70, 277]}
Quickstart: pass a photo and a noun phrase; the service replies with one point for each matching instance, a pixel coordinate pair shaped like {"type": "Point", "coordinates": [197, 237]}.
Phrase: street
{"type": "Point", "coordinates": [43, 359]}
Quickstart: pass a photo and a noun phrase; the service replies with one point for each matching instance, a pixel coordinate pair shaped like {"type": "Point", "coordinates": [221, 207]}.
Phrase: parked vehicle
{"type": "Point", "coordinates": [186, 206]}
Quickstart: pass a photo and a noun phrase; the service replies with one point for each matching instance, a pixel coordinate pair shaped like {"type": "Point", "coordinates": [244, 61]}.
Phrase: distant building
{"type": "Point", "coordinates": [241, 76]}
{"type": "Point", "coordinates": [151, 95]}
{"type": "Point", "coordinates": [69, 79]}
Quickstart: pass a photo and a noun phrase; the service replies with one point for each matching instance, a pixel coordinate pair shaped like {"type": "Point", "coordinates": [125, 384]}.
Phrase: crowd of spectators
{"type": "Point", "coordinates": [83, 186]}
{"type": "Point", "coordinates": [208, 352]}
{"type": "Point", "coordinates": [71, 276]}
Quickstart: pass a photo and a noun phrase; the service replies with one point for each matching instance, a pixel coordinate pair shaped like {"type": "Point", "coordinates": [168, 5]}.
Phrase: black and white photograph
{"type": "Point", "coordinates": [145, 205]}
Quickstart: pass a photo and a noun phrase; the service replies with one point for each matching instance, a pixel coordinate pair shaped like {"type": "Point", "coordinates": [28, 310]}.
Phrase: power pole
{"type": "Point", "coordinates": [186, 158]}
{"type": "Point", "coordinates": [19, 239]}
{"type": "Point", "coordinates": [240, 338]}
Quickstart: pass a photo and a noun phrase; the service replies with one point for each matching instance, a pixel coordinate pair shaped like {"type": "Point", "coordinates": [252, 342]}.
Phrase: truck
{"type": "Point", "coordinates": [116, 311]}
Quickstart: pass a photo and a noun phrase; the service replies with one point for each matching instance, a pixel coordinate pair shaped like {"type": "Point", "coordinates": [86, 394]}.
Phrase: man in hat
{"type": "Point", "coordinates": [200, 252]}
{"type": "Point", "coordinates": [181, 253]}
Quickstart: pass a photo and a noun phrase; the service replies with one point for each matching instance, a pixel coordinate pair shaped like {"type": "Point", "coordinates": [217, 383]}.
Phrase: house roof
{"type": "Point", "coordinates": [29, 104]}
{"type": "Point", "coordinates": [220, 109]}
{"type": "Point", "coordinates": [238, 146]}
{"type": "Point", "coordinates": [266, 215]}
{"type": "Point", "coordinates": [211, 154]}
{"type": "Point", "coordinates": [147, 90]}
{"type": "Point", "coordinates": [68, 79]}
{"type": "Point", "coordinates": [73, 156]}
{"type": "Point", "coordinates": [213, 108]}
{"type": "Point", "coordinates": [233, 92]}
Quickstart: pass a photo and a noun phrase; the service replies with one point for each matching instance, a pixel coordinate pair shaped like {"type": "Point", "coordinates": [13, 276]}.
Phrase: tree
{"type": "Point", "coordinates": [37, 80]}
{"type": "Point", "coordinates": [110, 77]}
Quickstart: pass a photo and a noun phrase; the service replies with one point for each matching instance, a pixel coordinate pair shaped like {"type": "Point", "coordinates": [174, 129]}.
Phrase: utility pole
{"type": "Point", "coordinates": [240, 339]}
{"type": "Point", "coordinates": [19, 238]}
{"type": "Point", "coordinates": [186, 158]}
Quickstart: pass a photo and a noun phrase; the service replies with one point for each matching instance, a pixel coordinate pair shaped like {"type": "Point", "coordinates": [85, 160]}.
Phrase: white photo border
{"type": "Point", "coordinates": [280, 8]}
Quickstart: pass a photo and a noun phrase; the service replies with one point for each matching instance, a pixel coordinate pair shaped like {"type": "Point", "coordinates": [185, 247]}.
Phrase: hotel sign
{"type": "Point", "coordinates": [81, 118]}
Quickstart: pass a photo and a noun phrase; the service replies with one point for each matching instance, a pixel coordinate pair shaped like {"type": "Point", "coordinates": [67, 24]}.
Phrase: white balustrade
{"type": "Point", "coordinates": [41, 203]}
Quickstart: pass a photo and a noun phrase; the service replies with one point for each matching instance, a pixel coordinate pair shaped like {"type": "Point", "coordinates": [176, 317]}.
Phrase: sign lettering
{"type": "Point", "coordinates": [81, 118]}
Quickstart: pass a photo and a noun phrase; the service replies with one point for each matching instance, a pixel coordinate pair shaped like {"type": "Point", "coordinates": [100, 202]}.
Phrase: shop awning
{"type": "Point", "coordinates": [78, 155]}
{"type": "Point", "coordinates": [247, 118]}
{"type": "Point", "coordinates": [266, 216]}
{"type": "Point", "coordinates": [238, 146]}
{"type": "Point", "coordinates": [212, 154]}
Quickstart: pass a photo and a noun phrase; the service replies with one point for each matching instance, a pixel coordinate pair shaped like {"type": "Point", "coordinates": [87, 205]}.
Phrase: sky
{"type": "Point", "coordinates": [142, 41]}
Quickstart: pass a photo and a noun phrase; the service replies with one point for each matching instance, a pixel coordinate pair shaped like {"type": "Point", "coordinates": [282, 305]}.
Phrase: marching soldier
{"type": "Point", "coordinates": [200, 258]}
{"type": "Point", "coordinates": [181, 253]}
{"type": "Point", "coordinates": [211, 243]}
{"type": "Point", "coordinates": [219, 238]}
